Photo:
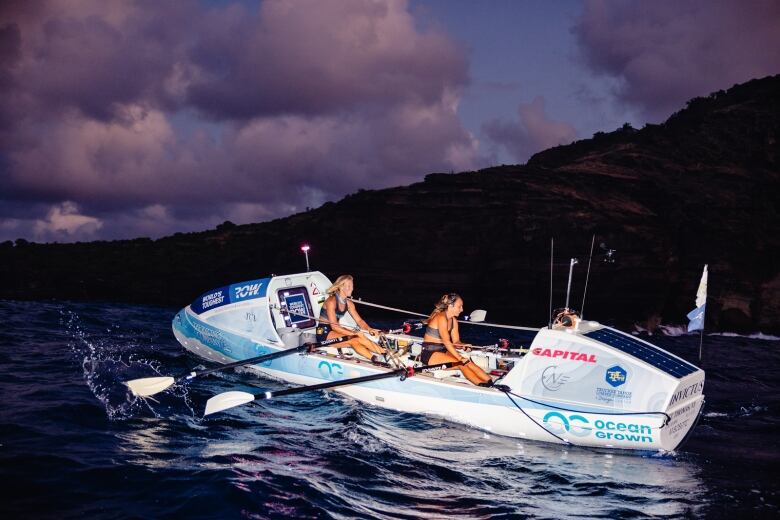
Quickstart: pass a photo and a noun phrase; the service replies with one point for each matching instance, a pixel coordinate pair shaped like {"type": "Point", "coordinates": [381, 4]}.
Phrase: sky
{"type": "Point", "coordinates": [123, 119]}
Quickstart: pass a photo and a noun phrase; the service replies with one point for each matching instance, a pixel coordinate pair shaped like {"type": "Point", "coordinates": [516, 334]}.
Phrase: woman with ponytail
{"type": "Point", "coordinates": [442, 338]}
{"type": "Point", "coordinates": [337, 305]}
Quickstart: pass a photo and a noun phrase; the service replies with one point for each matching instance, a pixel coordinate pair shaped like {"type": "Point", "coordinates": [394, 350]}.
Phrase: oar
{"type": "Point", "coordinates": [228, 400]}
{"type": "Point", "coordinates": [152, 385]}
{"type": "Point", "coordinates": [503, 344]}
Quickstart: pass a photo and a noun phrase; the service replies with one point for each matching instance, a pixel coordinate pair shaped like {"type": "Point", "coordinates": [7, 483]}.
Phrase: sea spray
{"type": "Point", "coordinates": [112, 358]}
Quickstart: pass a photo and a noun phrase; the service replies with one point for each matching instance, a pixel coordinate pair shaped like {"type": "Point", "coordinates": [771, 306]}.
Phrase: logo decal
{"type": "Point", "coordinates": [551, 380]}
{"type": "Point", "coordinates": [687, 392]}
{"type": "Point", "coordinates": [559, 423]}
{"type": "Point", "coordinates": [245, 291]}
{"type": "Point", "coordinates": [564, 354]}
{"type": "Point", "coordinates": [329, 370]}
{"type": "Point", "coordinates": [314, 289]}
{"type": "Point", "coordinates": [579, 426]}
{"type": "Point", "coordinates": [616, 376]}
{"type": "Point", "coordinates": [212, 299]}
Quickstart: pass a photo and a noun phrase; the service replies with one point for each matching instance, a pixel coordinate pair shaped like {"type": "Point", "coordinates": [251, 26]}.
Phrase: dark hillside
{"type": "Point", "coordinates": [704, 187]}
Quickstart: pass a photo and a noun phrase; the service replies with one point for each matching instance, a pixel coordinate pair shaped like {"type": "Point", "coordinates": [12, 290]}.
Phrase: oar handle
{"type": "Point", "coordinates": [267, 357]}
{"type": "Point", "coordinates": [405, 329]}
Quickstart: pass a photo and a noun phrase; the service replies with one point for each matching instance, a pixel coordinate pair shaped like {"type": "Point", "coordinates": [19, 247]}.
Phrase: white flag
{"type": "Point", "coordinates": [701, 294]}
{"type": "Point", "coordinates": [696, 316]}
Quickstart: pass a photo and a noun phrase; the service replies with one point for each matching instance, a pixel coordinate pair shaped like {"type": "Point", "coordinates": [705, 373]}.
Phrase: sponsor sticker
{"type": "Point", "coordinates": [606, 429]}
{"type": "Point", "coordinates": [688, 391]}
{"type": "Point", "coordinates": [612, 396]}
{"type": "Point", "coordinates": [251, 290]}
{"type": "Point", "coordinates": [552, 380]}
{"type": "Point", "coordinates": [564, 354]}
{"type": "Point", "coordinates": [212, 299]}
{"type": "Point", "coordinates": [616, 376]}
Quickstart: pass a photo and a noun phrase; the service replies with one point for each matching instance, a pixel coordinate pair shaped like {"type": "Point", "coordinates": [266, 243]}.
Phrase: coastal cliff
{"type": "Point", "coordinates": [701, 188]}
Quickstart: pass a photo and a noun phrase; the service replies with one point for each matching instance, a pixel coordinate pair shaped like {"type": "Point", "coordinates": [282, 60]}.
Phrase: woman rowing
{"type": "Point", "coordinates": [442, 339]}
{"type": "Point", "coordinates": [334, 308]}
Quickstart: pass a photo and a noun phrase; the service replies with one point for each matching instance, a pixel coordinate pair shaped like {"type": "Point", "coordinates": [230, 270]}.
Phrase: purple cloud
{"type": "Point", "coordinates": [533, 132]}
{"type": "Point", "coordinates": [666, 52]}
{"type": "Point", "coordinates": [120, 118]}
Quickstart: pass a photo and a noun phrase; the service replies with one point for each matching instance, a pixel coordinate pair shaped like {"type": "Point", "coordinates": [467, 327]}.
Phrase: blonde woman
{"type": "Point", "coordinates": [334, 308]}
{"type": "Point", "coordinates": [442, 338]}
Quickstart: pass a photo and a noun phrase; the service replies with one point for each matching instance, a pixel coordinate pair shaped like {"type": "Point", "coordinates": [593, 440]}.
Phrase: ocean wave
{"type": "Point", "coordinates": [673, 330]}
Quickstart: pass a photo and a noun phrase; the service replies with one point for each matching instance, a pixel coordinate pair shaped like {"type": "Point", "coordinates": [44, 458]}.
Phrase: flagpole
{"type": "Point", "coordinates": [697, 316]}
{"type": "Point", "coordinates": [701, 340]}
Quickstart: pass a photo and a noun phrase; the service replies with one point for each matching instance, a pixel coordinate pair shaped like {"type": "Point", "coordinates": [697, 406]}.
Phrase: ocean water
{"type": "Point", "coordinates": [75, 444]}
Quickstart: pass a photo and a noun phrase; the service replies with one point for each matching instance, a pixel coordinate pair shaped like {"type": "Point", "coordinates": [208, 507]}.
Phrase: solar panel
{"type": "Point", "coordinates": [647, 353]}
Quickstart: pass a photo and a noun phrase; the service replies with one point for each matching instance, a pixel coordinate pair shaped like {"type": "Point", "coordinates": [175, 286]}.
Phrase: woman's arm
{"type": "Point", "coordinates": [441, 324]}
{"type": "Point", "coordinates": [360, 321]}
{"type": "Point", "coordinates": [456, 336]}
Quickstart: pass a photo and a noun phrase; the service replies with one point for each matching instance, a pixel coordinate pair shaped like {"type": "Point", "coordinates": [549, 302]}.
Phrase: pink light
{"type": "Point", "coordinates": [305, 248]}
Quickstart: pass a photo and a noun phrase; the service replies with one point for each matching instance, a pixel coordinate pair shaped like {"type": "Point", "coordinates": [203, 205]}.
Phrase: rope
{"type": "Point", "coordinates": [467, 322]}
{"type": "Point", "coordinates": [506, 392]}
{"type": "Point", "coordinates": [288, 311]}
{"type": "Point", "coordinates": [388, 308]}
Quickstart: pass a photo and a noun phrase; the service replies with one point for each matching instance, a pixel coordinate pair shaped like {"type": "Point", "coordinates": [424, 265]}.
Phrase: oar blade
{"type": "Point", "coordinates": [478, 315]}
{"type": "Point", "coordinates": [149, 385]}
{"type": "Point", "coordinates": [227, 400]}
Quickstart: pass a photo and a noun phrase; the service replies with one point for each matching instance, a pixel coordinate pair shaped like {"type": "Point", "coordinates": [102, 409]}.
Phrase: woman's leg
{"type": "Point", "coordinates": [476, 372]}
{"type": "Point", "coordinates": [358, 346]}
{"type": "Point", "coordinates": [446, 357]}
{"type": "Point", "coordinates": [369, 345]}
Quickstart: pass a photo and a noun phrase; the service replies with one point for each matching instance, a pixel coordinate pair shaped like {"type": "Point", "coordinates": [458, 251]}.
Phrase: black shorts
{"type": "Point", "coordinates": [428, 349]}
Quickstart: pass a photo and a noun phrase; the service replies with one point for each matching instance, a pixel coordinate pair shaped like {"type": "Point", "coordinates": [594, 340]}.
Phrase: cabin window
{"type": "Point", "coordinates": [296, 308]}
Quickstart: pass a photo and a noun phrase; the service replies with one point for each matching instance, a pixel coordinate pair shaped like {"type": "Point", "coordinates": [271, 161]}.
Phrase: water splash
{"type": "Point", "coordinates": [108, 360]}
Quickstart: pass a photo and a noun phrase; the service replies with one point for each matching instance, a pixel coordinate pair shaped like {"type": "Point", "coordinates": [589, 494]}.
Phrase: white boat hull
{"type": "Point", "coordinates": [233, 334]}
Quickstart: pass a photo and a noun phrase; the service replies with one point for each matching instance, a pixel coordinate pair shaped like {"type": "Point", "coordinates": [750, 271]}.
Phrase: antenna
{"type": "Point", "coordinates": [572, 263]}
{"type": "Point", "coordinates": [587, 276]}
{"type": "Point", "coordinates": [305, 248]}
{"type": "Point", "coordinates": [549, 325]}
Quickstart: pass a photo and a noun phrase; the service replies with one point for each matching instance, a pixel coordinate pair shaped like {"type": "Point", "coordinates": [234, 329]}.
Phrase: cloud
{"type": "Point", "coordinates": [667, 52]}
{"type": "Point", "coordinates": [159, 117]}
{"type": "Point", "coordinates": [336, 54]}
{"type": "Point", "coordinates": [533, 132]}
{"type": "Point", "coordinates": [65, 221]}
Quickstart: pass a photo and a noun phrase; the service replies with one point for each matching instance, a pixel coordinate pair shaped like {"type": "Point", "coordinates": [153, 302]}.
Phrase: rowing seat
{"type": "Point", "coordinates": [346, 351]}
{"type": "Point", "coordinates": [294, 337]}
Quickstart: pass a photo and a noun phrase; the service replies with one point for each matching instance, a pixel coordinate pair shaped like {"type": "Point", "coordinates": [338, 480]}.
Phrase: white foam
{"type": "Point", "coordinates": [682, 330]}
{"type": "Point", "coordinates": [755, 335]}
{"type": "Point", "coordinates": [673, 330]}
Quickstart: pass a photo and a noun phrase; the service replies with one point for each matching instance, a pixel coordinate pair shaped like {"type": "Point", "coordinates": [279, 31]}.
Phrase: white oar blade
{"type": "Point", "coordinates": [478, 315]}
{"type": "Point", "coordinates": [149, 385]}
{"type": "Point", "coordinates": [227, 400]}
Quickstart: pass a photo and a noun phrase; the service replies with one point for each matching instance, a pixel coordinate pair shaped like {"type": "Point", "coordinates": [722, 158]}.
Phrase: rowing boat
{"type": "Point", "coordinates": [579, 382]}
